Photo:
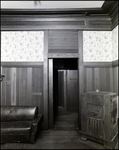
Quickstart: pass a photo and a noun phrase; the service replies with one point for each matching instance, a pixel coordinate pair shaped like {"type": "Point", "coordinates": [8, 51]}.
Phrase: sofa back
{"type": "Point", "coordinates": [18, 113]}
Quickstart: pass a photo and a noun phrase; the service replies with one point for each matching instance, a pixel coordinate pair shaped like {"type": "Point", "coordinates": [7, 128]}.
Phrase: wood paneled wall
{"type": "Point", "coordinates": [115, 79]}
{"type": "Point", "coordinates": [23, 85]}
{"type": "Point", "coordinates": [63, 41]}
{"type": "Point", "coordinates": [98, 78]}
{"type": "Point", "coordinates": [101, 75]}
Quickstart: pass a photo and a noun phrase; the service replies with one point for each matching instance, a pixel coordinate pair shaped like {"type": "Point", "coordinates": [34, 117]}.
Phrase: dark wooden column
{"type": "Point", "coordinates": [51, 93]}
{"type": "Point", "coordinates": [45, 80]}
{"type": "Point", "coordinates": [80, 73]}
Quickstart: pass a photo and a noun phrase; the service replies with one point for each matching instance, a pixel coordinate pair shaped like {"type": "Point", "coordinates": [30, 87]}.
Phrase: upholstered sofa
{"type": "Point", "coordinates": [19, 123]}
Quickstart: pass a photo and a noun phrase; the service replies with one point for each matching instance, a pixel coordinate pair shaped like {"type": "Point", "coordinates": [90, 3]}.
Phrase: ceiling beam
{"type": "Point", "coordinates": [105, 18]}
{"type": "Point", "coordinates": [53, 11]}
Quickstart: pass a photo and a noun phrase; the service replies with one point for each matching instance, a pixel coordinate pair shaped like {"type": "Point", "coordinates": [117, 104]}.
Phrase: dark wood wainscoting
{"type": "Point", "coordinates": [115, 75]}
{"type": "Point", "coordinates": [100, 75]}
{"type": "Point", "coordinates": [98, 78]}
{"type": "Point", "coordinates": [22, 84]}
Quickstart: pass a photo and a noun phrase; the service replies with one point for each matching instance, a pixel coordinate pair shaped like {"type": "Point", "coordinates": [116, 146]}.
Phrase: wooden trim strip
{"type": "Point", "coordinates": [63, 55]}
{"type": "Point", "coordinates": [64, 18]}
{"type": "Point", "coordinates": [21, 64]}
{"type": "Point", "coordinates": [115, 63]}
{"type": "Point", "coordinates": [69, 55]}
{"type": "Point", "coordinates": [81, 11]}
{"type": "Point", "coordinates": [45, 81]}
{"type": "Point", "coordinates": [51, 119]}
{"type": "Point", "coordinates": [53, 26]}
{"type": "Point", "coordinates": [97, 64]}
{"type": "Point", "coordinates": [80, 74]}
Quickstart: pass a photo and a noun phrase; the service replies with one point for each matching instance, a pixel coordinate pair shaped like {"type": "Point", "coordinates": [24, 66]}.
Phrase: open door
{"type": "Point", "coordinates": [63, 87]}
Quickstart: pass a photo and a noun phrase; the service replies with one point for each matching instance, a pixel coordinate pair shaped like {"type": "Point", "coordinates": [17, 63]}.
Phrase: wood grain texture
{"type": "Point", "coordinates": [89, 80]}
{"type": "Point", "coordinates": [65, 90]}
{"type": "Point", "coordinates": [116, 80]}
{"type": "Point", "coordinates": [111, 7]}
{"type": "Point", "coordinates": [97, 64]}
{"type": "Point", "coordinates": [20, 84]}
{"type": "Point", "coordinates": [98, 78]}
{"type": "Point", "coordinates": [63, 41]}
{"type": "Point", "coordinates": [62, 20]}
{"type": "Point", "coordinates": [45, 81]}
{"type": "Point", "coordinates": [7, 91]}
{"type": "Point", "coordinates": [80, 74]}
{"type": "Point", "coordinates": [13, 86]}
{"type": "Point", "coordinates": [21, 64]}
{"type": "Point", "coordinates": [63, 55]}
{"type": "Point", "coordinates": [61, 88]}
{"type": "Point", "coordinates": [50, 113]}
{"type": "Point", "coordinates": [72, 90]}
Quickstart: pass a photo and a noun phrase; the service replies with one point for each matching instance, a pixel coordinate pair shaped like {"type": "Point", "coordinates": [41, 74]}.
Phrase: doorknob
{"type": "Point", "coordinates": [1, 77]}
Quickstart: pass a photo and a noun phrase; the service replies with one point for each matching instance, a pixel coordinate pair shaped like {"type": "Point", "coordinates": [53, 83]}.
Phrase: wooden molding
{"type": "Point", "coordinates": [45, 81]}
{"type": "Point", "coordinates": [63, 55]}
{"type": "Point", "coordinates": [97, 64]}
{"type": "Point", "coordinates": [105, 18]}
{"type": "Point", "coordinates": [80, 74]}
{"type": "Point", "coordinates": [111, 8]}
{"type": "Point", "coordinates": [53, 11]}
{"type": "Point", "coordinates": [101, 64]}
{"type": "Point", "coordinates": [50, 95]}
{"type": "Point", "coordinates": [22, 64]}
{"type": "Point", "coordinates": [115, 63]}
{"type": "Point", "coordinates": [60, 55]}
{"type": "Point", "coordinates": [33, 22]}
{"type": "Point", "coordinates": [84, 19]}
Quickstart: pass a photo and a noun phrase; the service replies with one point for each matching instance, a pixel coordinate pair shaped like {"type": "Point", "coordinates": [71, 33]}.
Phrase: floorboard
{"type": "Point", "coordinates": [65, 135]}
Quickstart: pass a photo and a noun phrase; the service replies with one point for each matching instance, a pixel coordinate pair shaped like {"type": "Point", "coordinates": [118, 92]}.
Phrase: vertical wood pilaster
{"type": "Point", "coordinates": [51, 120]}
{"type": "Point", "coordinates": [45, 81]}
{"type": "Point", "coordinates": [80, 73]}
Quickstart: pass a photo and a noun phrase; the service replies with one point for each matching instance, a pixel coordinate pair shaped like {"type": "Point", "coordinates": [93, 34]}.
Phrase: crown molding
{"type": "Point", "coordinates": [105, 18]}
{"type": "Point", "coordinates": [53, 11]}
{"type": "Point", "coordinates": [111, 8]}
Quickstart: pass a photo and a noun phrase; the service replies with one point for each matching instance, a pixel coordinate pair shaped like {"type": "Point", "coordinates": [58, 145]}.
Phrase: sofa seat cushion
{"type": "Point", "coordinates": [18, 127]}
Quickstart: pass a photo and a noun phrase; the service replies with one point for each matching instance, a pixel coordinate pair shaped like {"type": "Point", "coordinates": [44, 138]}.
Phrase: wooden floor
{"type": "Point", "coordinates": [65, 135]}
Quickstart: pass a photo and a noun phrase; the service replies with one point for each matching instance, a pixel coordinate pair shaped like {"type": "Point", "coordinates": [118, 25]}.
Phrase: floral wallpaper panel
{"type": "Point", "coordinates": [28, 45]}
{"type": "Point", "coordinates": [115, 47]}
{"type": "Point", "coordinates": [22, 45]}
{"type": "Point", "coordinates": [97, 46]}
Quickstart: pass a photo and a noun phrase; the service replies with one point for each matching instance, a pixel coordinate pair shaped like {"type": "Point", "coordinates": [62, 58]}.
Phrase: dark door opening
{"type": "Point", "coordinates": [65, 86]}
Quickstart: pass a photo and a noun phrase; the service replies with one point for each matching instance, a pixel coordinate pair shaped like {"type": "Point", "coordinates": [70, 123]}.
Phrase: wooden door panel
{"type": "Point", "coordinates": [72, 90]}
{"type": "Point", "coordinates": [60, 88]}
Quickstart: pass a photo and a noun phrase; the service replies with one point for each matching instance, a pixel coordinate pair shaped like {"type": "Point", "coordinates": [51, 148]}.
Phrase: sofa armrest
{"type": "Point", "coordinates": [36, 124]}
{"type": "Point", "coordinates": [38, 119]}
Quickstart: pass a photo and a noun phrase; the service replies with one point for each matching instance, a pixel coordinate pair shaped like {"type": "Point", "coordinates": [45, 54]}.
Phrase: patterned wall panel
{"type": "Point", "coordinates": [22, 45]}
{"type": "Point", "coordinates": [28, 45]}
{"type": "Point", "coordinates": [97, 46]}
{"type": "Point", "coordinates": [115, 47]}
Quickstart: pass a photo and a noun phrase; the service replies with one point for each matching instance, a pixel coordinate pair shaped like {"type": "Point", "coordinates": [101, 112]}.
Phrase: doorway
{"type": "Point", "coordinates": [63, 87]}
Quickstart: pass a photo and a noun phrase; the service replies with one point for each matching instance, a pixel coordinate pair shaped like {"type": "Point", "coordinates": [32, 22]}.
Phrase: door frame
{"type": "Point", "coordinates": [80, 80]}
